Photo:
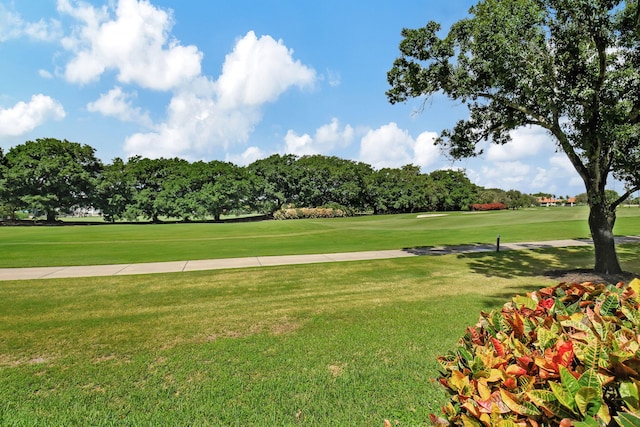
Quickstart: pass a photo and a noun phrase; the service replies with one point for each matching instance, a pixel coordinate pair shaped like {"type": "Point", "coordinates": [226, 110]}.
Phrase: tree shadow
{"type": "Point", "coordinates": [510, 264]}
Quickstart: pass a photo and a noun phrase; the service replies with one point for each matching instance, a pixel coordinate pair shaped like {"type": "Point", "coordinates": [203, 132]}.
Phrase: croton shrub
{"type": "Point", "coordinates": [567, 355]}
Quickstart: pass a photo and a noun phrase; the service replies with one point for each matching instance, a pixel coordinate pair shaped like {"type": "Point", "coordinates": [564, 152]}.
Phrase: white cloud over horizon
{"type": "Point", "coordinates": [325, 140]}
{"type": "Point", "coordinates": [208, 115]}
{"type": "Point", "coordinates": [392, 147]}
{"type": "Point", "coordinates": [24, 117]}
{"type": "Point", "coordinates": [526, 142]}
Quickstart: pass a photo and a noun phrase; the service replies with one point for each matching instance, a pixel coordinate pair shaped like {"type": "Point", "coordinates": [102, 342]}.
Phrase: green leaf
{"type": "Point", "coordinates": [629, 393]}
{"type": "Point", "coordinates": [569, 383]}
{"type": "Point", "coordinates": [527, 302]}
{"type": "Point", "coordinates": [465, 355]}
{"type": "Point", "coordinates": [631, 314]}
{"type": "Point", "coordinates": [610, 305]}
{"type": "Point", "coordinates": [565, 398]}
{"type": "Point", "coordinates": [546, 338]}
{"type": "Point", "coordinates": [628, 419]}
{"type": "Point", "coordinates": [592, 354]}
{"type": "Point", "coordinates": [588, 401]}
{"type": "Point", "coordinates": [575, 325]}
{"type": "Point", "coordinates": [547, 400]}
{"type": "Point", "coordinates": [590, 378]}
{"type": "Point", "coordinates": [588, 422]}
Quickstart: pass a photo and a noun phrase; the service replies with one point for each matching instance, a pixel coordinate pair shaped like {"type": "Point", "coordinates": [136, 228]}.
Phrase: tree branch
{"type": "Point", "coordinates": [624, 197]}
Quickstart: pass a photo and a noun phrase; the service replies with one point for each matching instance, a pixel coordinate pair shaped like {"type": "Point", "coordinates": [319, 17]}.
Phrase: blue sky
{"type": "Point", "coordinates": [238, 81]}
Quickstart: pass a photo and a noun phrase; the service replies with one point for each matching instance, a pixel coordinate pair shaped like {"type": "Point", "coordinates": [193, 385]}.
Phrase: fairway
{"type": "Point", "coordinates": [119, 243]}
{"type": "Point", "coordinates": [347, 344]}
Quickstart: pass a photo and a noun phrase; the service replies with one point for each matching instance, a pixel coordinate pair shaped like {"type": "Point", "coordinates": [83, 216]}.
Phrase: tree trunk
{"type": "Point", "coordinates": [601, 222]}
{"type": "Point", "coordinates": [51, 216]}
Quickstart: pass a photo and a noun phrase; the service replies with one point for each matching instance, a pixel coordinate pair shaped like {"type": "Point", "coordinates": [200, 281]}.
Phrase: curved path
{"type": "Point", "coordinates": [263, 261]}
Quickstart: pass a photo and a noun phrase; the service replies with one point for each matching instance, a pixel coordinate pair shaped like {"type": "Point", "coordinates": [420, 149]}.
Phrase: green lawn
{"type": "Point", "coordinates": [346, 344]}
{"type": "Point", "coordinates": [333, 344]}
{"type": "Point", "coordinates": [114, 244]}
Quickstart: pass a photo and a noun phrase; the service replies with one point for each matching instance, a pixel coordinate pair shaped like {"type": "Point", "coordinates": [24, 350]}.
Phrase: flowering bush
{"type": "Point", "coordinates": [299, 213]}
{"type": "Point", "coordinates": [567, 355]}
{"type": "Point", "coordinates": [487, 206]}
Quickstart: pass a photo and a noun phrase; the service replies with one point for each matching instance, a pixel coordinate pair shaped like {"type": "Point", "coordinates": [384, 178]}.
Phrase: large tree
{"type": "Point", "coordinates": [50, 176]}
{"type": "Point", "coordinates": [571, 67]}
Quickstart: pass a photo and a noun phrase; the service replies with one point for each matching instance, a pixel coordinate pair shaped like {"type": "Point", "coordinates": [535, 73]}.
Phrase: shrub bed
{"type": "Point", "coordinates": [487, 206]}
{"type": "Point", "coordinates": [567, 355]}
{"type": "Point", "coordinates": [301, 213]}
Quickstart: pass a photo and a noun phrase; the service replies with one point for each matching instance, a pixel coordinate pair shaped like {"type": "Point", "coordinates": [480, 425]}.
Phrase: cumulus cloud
{"type": "Point", "coordinates": [504, 175]}
{"type": "Point", "coordinates": [12, 26]}
{"type": "Point", "coordinates": [205, 115]}
{"type": "Point", "coordinates": [392, 147]}
{"type": "Point", "coordinates": [118, 104]}
{"type": "Point", "coordinates": [26, 116]}
{"type": "Point", "coordinates": [133, 38]}
{"type": "Point", "coordinates": [326, 139]}
{"type": "Point", "coordinates": [135, 42]}
{"type": "Point", "coordinates": [559, 173]}
{"type": "Point", "coordinates": [258, 71]}
{"type": "Point", "coordinates": [195, 125]}
{"type": "Point", "coordinates": [526, 143]}
{"type": "Point", "coordinates": [249, 156]}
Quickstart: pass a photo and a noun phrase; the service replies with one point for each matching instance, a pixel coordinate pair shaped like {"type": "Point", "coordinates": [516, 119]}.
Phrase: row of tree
{"type": "Point", "coordinates": [52, 177]}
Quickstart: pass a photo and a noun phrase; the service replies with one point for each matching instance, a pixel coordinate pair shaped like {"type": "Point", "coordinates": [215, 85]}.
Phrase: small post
{"type": "Point", "coordinates": [498, 244]}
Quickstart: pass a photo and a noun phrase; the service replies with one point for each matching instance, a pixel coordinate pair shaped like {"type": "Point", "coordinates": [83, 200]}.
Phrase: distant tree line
{"type": "Point", "coordinates": [53, 177]}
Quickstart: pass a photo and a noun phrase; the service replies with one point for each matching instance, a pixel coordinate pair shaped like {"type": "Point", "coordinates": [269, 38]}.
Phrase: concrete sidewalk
{"type": "Point", "coordinates": [266, 261]}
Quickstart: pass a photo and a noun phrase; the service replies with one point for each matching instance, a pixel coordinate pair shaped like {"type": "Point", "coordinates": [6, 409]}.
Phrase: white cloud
{"type": "Point", "coordinates": [300, 145]}
{"type": "Point", "coordinates": [117, 103]}
{"type": "Point", "coordinates": [45, 74]}
{"type": "Point", "coordinates": [249, 156]}
{"type": "Point", "coordinates": [133, 38]}
{"type": "Point", "coordinates": [259, 71]}
{"type": "Point", "coordinates": [426, 153]}
{"type": "Point", "coordinates": [327, 138]}
{"type": "Point", "coordinates": [559, 175]}
{"type": "Point", "coordinates": [204, 115]}
{"type": "Point", "coordinates": [24, 117]}
{"type": "Point", "coordinates": [391, 147]}
{"type": "Point", "coordinates": [505, 175]}
{"type": "Point", "coordinates": [196, 125]}
{"type": "Point", "coordinates": [136, 43]}
{"type": "Point", "coordinates": [12, 26]}
{"type": "Point", "coordinates": [526, 143]}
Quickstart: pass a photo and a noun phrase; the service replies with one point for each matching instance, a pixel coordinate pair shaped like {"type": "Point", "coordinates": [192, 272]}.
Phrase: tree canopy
{"type": "Point", "coordinates": [55, 177]}
{"type": "Point", "coordinates": [569, 67]}
{"type": "Point", "coordinates": [50, 175]}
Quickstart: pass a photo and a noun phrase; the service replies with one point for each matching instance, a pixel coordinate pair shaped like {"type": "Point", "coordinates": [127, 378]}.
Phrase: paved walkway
{"type": "Point", "coordinates": [264, 261]}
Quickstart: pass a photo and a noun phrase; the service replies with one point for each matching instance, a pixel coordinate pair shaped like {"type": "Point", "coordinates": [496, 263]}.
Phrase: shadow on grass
{"type": "Point", "coordinates": [511, 264]}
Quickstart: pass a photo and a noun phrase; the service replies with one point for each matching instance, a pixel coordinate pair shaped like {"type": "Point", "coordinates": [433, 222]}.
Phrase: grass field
{"type": "Point", "coordinates": [115, 244]}
{"type": "Point", "coordinates": [345, 344]}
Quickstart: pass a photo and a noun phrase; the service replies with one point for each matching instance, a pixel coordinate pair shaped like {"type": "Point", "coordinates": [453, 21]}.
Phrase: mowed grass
{"type": "Point", "coordinates": [345, 344]}
{"type": "Point", "coordinates": [115, 244]}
